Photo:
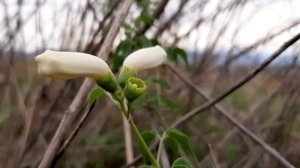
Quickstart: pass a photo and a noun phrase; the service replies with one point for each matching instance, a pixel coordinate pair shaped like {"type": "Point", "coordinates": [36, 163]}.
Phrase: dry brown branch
{"type": "Point", "coordinates": [73, 134]}
{"type": "Point", "coordinates": [84, 89]}
{"type": "Point", "coordinates": [67, 119]}
{"type": "Point", "coordinates": [168, 23]}
{"type": "Point", "coordinates": [78, 126]}
{"type": "Point", "coordinates": [277, 134]}
{"type": "Point", "coordinates": [91, 46]}
{"type": "Point", "coordinates": [27, 116]}
{"type": "Point", "coordinates": [213, 157]}
{"type": "Point", "coordinates": [128, 140]}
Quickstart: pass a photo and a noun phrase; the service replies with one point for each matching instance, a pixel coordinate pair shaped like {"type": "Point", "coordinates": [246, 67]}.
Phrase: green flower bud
{"type": "Point", "coordinates": [108, 82]}
{"type": "Point", "coordinates": [134, 88]}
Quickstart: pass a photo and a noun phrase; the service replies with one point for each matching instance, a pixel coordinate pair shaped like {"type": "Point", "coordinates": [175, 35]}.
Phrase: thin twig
{"type": "Point", "coordinates": [160, 147]}
{"type": "Point", "coordinates": [73, 133]}
{"type": "Point", "coordinates": [27, 114]}
{"type": "Point", "coordinates": [78, 101]}
{"type": "Point", "coordinates": [213, 158]}
{"type": "Point", "coordinates": [128, 140]}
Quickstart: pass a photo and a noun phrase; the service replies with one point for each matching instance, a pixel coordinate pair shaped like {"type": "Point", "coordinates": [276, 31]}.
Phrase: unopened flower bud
{"type": "Point", "coordinates": [68, 65]}
{"type": "Point", "coordinates": [140, 60]}
{"type": "Point", "coordinates": [134, 88]}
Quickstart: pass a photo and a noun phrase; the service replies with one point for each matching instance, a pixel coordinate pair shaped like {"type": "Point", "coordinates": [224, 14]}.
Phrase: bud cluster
{"type": "Point", "coordinates": [68, 65]}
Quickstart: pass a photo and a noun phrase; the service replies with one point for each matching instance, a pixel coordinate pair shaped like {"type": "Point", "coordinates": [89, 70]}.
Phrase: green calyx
{"type": "Point", "coordinates": [125, 74]}
{"type": "Point", "coordinates": [134, 88]}
{"type": "Point", "coordinates": [108, 82]}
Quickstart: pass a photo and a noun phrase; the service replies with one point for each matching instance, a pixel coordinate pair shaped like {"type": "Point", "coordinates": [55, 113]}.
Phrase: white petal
{"type": "Point", "coordinates": [146, 58]}
{"type": "Point", "coordinates": [67, 65]}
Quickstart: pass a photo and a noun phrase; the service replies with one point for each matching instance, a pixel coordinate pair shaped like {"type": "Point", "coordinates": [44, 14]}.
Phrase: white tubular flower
{"type": "Point", "coordinates": [68, 65]}
{"type": "Point", "coordinates": [146, 58]}
{"type": "Point", "coordinates": [142, 59]}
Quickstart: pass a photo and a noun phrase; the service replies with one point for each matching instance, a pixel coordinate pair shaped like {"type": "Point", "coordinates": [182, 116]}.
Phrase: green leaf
{"type": "Point", "coordinates": [137, 22]}
{"type": "Point", "coordinates": [128, 29]}
{"type": "Point", "coordinates": [125, 47]}
{"type": "Point", "coordinates": [149, 137]}
{"type": "Point", "coordinates": [184, 143]}
{"type": "Point", "coordinates": [180, 52]}
{"type": "Point", "coordinates": [143, 42]}
{"type": "Point", "coordinates": [144, 4]}
{"type": "Point", "coordinates": [146, 18]}
{"type": "Point", "coordinates": [181, 163]}
{"type": "Point", "coordinates": [94, 96]}
{"type": "Point", "coordinates": [127, 26]}
{"type": "Point", "coordinates": [174, 53]}
{"type": "Point", "coordinates": [171, 144]}
{"type": "Point", "coordinates": [117, 62]}
{"type": "Point", "coordinates": [154, 42]}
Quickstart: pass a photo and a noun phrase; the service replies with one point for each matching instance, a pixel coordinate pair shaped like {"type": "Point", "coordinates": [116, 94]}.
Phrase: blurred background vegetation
{"type": "Point", "coordinates": [214, 43]}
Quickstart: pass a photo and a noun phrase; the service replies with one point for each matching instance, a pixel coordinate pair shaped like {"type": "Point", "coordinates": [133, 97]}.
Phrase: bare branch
{"type": "Point", "coordinates": [84, 89]}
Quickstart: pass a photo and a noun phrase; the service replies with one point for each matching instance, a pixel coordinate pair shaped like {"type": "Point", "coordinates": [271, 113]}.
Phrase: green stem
{"type": "Point", "coordinates": [124, 109]}
{"type": "Point", "coordinates": [143, 143]}
{"type": "Point", "coordinates": [137, 133]}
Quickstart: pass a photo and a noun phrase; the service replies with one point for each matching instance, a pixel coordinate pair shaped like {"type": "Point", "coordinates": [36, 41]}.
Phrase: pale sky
{"type": "Point", "coordinates": [260, 22]}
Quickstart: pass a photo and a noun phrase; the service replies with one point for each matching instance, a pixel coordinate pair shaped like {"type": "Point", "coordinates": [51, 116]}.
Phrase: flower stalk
{"type": "Point", "coordinates": [125, 110]}
{"type": "Point", "coordinates": [143, 143]}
